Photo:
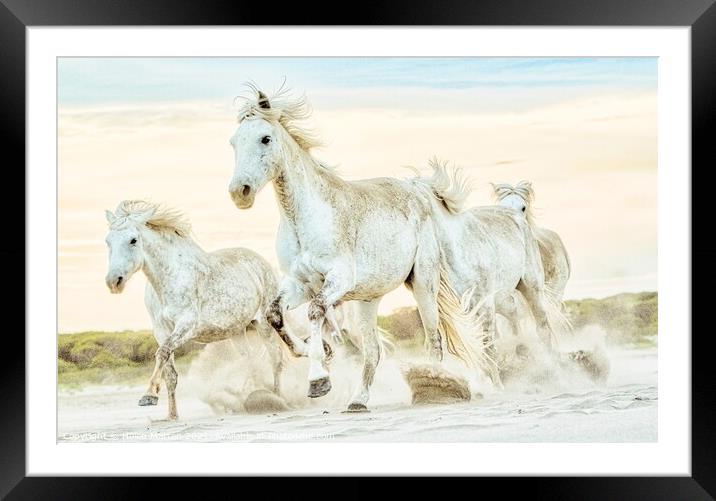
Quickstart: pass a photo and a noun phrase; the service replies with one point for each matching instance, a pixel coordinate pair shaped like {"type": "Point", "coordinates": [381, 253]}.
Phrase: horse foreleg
{"type": "Point", "coordinates": [367, 315]}
{"type": "Point", "coordinates": [182, 333]}
{"type": "Point", "coordinates": [335, 286]}
{"type": "Point", "coordinates": [291, 295]}
{"type": "Point", "coordinates": [336, 331]}
{"type": "Point", "coordinates": [319, 383]}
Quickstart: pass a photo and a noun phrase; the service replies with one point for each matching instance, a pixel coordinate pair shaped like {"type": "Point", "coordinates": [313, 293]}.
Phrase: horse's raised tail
{"type": "Point", "coordinates": [458, 325]}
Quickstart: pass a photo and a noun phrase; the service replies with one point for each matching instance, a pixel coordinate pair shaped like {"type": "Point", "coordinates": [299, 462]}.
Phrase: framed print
{"type": "Point", "coordinates": [351, 246]}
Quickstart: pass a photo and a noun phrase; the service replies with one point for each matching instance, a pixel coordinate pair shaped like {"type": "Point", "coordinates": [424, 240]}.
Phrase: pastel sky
{"type": "Point", "coordinates": [583, 130]}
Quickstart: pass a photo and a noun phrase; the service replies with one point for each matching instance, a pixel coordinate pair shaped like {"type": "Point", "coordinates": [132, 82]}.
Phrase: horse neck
{"type": "Point", "coordinates": [300, 182]}
{"type": "Point", "coordinates": [169, 259]}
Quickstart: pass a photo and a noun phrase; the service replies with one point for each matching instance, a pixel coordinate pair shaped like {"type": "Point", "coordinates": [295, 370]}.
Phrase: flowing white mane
{"type": "Point", "coordinates": [448, 185]}
{"type": "Point", "coordinates": [523, 189]}
{"type": "Point", "coordinates": [283, 109]}
{"type": "Point", "coordinates": [155, 216]}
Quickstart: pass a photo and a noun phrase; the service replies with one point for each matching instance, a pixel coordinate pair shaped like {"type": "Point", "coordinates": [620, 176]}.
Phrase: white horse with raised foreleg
{"type": "Point", "coordinates": [340, 240]}
{"type": "Point", "coordinates": [191, 295]}
{"type": "Point", "coordinates": [555, 259]}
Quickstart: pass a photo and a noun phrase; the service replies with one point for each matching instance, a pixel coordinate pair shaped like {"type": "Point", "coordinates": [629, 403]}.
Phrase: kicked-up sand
{"type": "Point", "coordinates": [224, 397]}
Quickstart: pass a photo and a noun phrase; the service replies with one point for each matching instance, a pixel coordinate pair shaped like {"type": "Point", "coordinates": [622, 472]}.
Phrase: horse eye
{"type": "Point", "coordinates": [266, 139]}
{"type": "Point", "coordinates": [133, 241]}
{"type": "Point", "coordinates": [523, 209]}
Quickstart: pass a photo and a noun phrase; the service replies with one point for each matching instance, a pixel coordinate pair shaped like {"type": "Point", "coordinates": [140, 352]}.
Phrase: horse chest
{"type": "Point", "coordinates": [307, 256]}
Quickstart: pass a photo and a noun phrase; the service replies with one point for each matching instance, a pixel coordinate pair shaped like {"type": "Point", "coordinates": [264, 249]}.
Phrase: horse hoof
{"type": "Point", "coordinates": [148, 400]}
{"type": "Point", "coordinates": [319, 387]}
{"type": "Point", "coordinates": [357, 407]}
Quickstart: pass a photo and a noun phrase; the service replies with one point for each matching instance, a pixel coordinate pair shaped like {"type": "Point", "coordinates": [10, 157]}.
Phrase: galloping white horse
{"type": "Point", "coordinates": [342, 241]}
{"type": "Point", "coordinates": [555, 259]}
{"type": "Point", "coordinates": [490, 254]}
{"type": "Point", "coordinates": [191, 295]}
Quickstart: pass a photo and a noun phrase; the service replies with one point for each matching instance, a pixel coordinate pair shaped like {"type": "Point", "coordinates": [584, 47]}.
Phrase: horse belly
{"type": "Point", "coordinates": [479, 259]}
{"type": "Point", "coordinates": [383, 263]}
{"type": "Point", "coordinates": [227, 311]}
{"type": "Point", "coordinates": [212, 334]}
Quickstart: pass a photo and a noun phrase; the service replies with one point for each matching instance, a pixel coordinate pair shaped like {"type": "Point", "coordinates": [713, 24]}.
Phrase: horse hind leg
{"type": "Point", "coordinates": [535, 295]}
{"type": "Point", "coordinates": [367, 315]}
{"type": "Point", "coordinates": [171, 378]}
{"type": "Point", "coordinates": [487, 314]}
{"type": "Point", "coordinates": [274, 352]}
{"type": "Point", "coordinates": [506, 305]}
{"type": "Point", "coordinates": [424, 281]}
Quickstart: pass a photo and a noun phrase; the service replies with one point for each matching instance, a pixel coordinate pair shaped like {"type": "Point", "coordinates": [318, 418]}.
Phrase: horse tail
{"type": "Point", "coordinates": [456, 324]}
{"type": "Point", "coordinates": [384, 341]}
{"type": "Point", "coordinates": [448, 186]}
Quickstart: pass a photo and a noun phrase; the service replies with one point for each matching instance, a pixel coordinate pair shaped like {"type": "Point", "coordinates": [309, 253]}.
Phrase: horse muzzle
{"type": "Point", "coordinates": [243, 195]}
{"type": "Point", "coordinates": [115, 283]}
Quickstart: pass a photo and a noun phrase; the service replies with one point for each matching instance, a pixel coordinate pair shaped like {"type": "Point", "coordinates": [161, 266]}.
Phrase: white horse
{"type": "Point", "coordinates": [555, 260]}
{"type": "Point", "coordinates": [191, 295]}
{"type": "Point", "coordinates": [490, 255]}
{"type": "Point", "coordinates": [341, 241]}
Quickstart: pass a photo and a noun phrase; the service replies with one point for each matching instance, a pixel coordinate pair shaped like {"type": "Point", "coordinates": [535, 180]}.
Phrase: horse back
{"type": "Point", "coordinates": [245, 264]}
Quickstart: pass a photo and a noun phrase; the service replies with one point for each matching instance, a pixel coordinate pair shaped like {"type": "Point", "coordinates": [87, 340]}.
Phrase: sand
{"type": "Point", "coordinates": [568, 408]}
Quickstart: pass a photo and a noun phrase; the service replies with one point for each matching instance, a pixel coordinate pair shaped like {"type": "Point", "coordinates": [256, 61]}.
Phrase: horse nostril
{"type": "Point", "coordinates": [246, 190]}
{"type": "Point", "coordinates": [119, 280]}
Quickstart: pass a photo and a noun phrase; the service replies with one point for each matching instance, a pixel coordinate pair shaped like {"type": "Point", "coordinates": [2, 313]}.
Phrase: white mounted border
{"type": "Point", "coordinates": [670, 455]}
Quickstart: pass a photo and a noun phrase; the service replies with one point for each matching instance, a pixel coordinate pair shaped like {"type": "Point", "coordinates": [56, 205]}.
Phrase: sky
{"type": "Point", "coordinates": [583, 130]}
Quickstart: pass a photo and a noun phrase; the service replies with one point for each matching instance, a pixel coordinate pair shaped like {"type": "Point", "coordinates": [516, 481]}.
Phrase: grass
{"type": "Point", "coordinates": [110, 357]}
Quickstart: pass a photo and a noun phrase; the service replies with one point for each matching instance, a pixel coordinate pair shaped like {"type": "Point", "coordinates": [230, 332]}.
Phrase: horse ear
{"type": "Point", "coordinates": [110, 216]}
{"type": "Point", "coordinates": [263, 101]}
{"type": "Point", "coordinates": [144, 216]}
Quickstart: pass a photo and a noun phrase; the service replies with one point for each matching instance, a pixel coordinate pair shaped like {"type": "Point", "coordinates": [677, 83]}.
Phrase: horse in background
{"type": "Point", "coordinates": [490, 255]}
{"type": "Point", "coordinates": [555, 260]}
{"type": "Point", "coordinates": [191, 294]}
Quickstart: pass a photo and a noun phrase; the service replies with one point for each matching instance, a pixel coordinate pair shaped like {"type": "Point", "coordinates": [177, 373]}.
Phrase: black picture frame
{"type": "Point", "coordinates": [17, 15]}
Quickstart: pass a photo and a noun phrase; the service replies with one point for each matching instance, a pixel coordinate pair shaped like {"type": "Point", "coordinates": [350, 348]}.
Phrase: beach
{"type": "Point", "coordinates": [624, 409]}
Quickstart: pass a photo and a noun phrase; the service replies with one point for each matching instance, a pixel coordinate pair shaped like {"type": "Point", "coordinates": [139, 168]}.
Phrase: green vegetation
{"type": "Point", "coordinates": [107, 357]}
{"type": "Point", "coordinates": [627, 318]}
{"type": "Point", "coordinates": [127, 357]}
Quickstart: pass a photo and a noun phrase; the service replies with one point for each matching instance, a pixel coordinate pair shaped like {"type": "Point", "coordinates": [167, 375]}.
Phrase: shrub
{"type": "Point", "coordinates": [107, 360]}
